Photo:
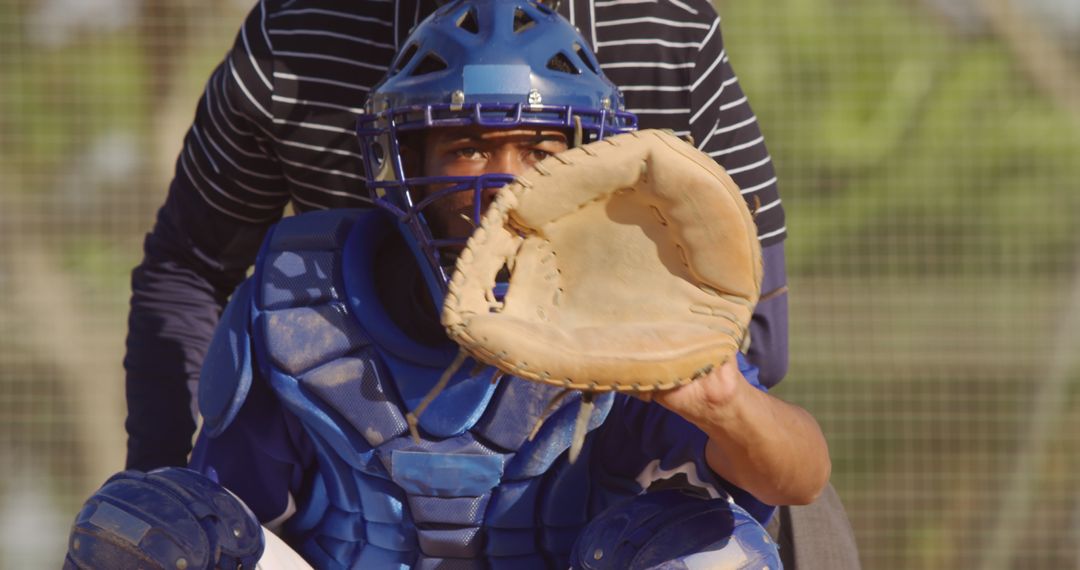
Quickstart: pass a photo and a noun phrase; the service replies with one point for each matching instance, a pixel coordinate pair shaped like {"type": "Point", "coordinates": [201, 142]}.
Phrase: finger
{"type": "Point", "coordinates": [643, 396]}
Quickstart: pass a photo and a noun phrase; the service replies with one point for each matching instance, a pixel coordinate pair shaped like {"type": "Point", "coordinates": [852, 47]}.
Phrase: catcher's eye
{"type": "Point", "coordinates": [468, 153]}
{"type": "Point", "coordinates": [536, 155]}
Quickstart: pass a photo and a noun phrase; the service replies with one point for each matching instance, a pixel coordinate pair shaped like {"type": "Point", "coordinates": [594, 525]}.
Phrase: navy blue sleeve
{"type": "Point", "coordinates": [194, 258]}
{"type": "Point", "coordinates": [769, 325]}
{"type": "Point", "coordinates": [263, 456]}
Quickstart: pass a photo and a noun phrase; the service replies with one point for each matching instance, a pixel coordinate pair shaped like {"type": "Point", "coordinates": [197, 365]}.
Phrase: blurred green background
{"type": "Point", "coordinates": [928, 157]}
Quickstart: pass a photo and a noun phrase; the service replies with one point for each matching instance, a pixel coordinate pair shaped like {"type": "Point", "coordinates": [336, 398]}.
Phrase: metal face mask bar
{"type": "Point", "coordinates": [494, 64]}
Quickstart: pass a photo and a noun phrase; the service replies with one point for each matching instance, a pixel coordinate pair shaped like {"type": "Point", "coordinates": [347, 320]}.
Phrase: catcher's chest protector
{"type": "Point", "coordinates": [475, 491]}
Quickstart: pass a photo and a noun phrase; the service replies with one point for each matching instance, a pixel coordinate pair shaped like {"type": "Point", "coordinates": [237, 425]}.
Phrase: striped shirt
{"type": "Point", "coordinates": [276, 122]}
{"type": "Point", "coordinates": [276, 125]}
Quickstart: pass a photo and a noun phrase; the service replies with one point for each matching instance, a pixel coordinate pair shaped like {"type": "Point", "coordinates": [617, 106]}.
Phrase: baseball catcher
{"type": "Point", "coordinates": [528, 356]}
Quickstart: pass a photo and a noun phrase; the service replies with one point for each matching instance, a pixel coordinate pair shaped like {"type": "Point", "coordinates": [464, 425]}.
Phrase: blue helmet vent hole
{"type": "Point", "coordinates": [584, 57]}
{"type": "Point", "coordinates": [561, 63]}
{"type": "Point", "coordinates": [406, 57]}
{"type": "Point", "coordinates": [430, 64]}
{"type": "Point", "coordinates": [468, 22]}
{"type": "Point", "coordinates": [522, 21]}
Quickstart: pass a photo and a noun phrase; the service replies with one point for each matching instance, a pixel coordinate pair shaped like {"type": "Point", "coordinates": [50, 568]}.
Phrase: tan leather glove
{"type": "Point", "coordinates": [634, 266]}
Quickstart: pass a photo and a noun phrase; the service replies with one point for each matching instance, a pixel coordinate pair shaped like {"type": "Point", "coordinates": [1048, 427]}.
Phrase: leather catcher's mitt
{"type": "Point", "coordinates": [634, 263]}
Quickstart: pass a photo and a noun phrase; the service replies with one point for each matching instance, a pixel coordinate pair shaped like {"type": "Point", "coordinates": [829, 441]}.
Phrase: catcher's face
{"type": "Point", "coordinates": [473, 151]}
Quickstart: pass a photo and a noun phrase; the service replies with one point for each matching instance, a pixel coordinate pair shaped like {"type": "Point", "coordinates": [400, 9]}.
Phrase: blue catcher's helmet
{"type": "Point", "coordinates": [487, 63]}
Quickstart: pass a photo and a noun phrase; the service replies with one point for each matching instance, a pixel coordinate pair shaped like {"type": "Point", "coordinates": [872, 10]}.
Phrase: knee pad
{"type": "Point", "coordinates": [170, 518]}
{"type": "Point", "coordinates": [672, 530]}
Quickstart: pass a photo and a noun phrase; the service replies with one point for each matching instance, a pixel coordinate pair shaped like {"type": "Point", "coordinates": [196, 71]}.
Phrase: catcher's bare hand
{"type": "Point", "coordinates": [702, 400]}
{"type": "Point", "coordinates": [773, 449]}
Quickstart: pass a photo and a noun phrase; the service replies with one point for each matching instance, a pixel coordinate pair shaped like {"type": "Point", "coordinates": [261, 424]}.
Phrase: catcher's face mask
{"type": "Point", "coordinates": [471, 152]}
{"type": "Point", "coordinates": [491, 64]}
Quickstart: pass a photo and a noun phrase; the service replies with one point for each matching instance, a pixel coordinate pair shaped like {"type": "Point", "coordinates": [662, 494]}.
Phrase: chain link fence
{"type": "Point", "coordinates": [926, 152]}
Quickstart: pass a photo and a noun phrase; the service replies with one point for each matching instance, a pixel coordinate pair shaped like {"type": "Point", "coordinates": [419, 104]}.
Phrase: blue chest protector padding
{"type": "Point", "coordinates": [474, 492]}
